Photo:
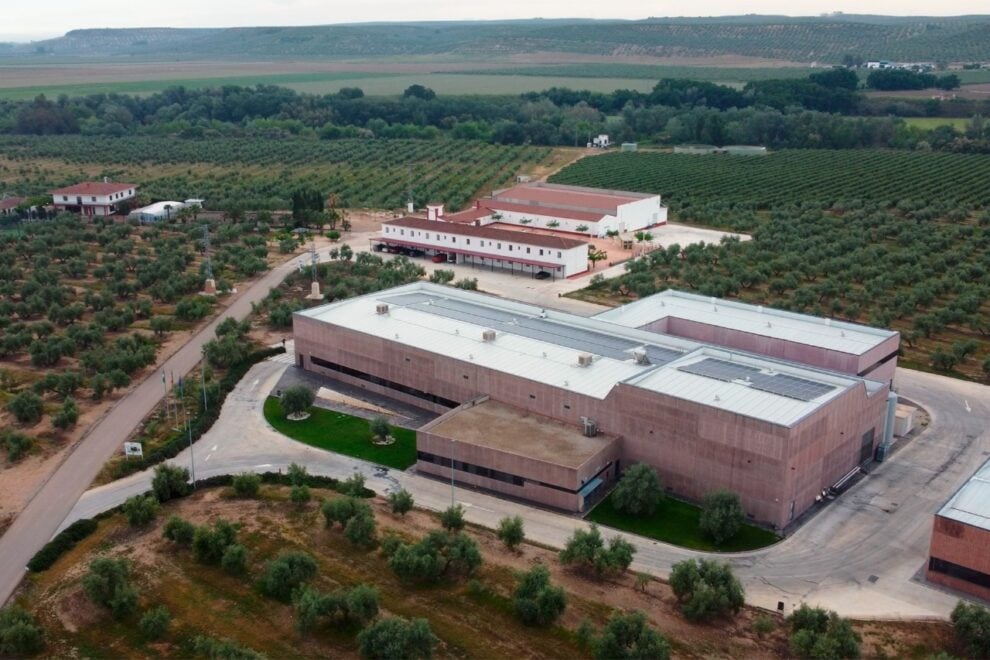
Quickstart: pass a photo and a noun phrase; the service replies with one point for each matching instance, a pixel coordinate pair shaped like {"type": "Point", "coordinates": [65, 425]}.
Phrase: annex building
{"type": "Point", "coordinates": [93, 198]}
{"type": "Point", "coordinates": [550, 407]}
{"type": "Point", "coordinates": [573, 209]}
{"type": "Point", "coordinates": [958, 557]}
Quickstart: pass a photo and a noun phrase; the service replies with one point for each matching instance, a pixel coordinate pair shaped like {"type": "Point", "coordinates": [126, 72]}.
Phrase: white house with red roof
{"type": "Point", "coordinates": [8, 205]}
{"type": "Point", "coordinates": [93, 198]}
{"type": "Point", "coordinates": [576, 209]}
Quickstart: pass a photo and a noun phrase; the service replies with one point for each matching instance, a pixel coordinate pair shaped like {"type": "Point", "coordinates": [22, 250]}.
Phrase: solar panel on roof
{"type": "Point", "coordinates": [791, 387]}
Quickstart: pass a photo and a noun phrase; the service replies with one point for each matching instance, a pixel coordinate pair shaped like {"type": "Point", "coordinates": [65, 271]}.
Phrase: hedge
{"type": "Point", "coordinates": [203, 420]}
{"type": "Point", "coordinates": [62, 543]}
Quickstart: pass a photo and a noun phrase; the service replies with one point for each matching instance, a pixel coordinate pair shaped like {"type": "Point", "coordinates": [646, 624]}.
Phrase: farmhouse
{"type": "Point", "coordinates": [93, 198]}
{"type": "Point", "coordinates": [576, 209]}
{"type": "Point", "coordinates": [958, 556]}
{"type": "Point", "coordinates": [487, 246]}
{"type": "Point", "coordinates": [776, 432]}
{"type": "Point", "coordinates": [8, 205]}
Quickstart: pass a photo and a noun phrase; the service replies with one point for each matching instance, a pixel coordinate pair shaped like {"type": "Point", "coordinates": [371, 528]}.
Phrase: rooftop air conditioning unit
{"type": "Point", "coordinates": [381, 308]}
{"type": "Point", "coordinates": [488, 335]}
{"type": "Point", "coordinates": [641, 357]}
{"type": "Point", "coordinates": [584, 359]}
{"type": "Point", "coordinates": [590, 427]}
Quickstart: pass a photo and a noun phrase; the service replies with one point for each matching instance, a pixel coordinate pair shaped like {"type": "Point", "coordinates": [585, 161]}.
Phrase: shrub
{"type": "Point", "coordinates": [361, 529]}
{"type": "Point", "coordinates": [62, 543]}
{"type": "Point", "coordinates": [16, 443]}
{"type": "Point", "coordinates": [297, 474]}
{"type": "Point", "coordinates": [209, 544]}
{"type": "Point", "coordinates": [246, 484]}
{"type": "Point", "coordinates": [170, 481]}
{"type": "Point", "coordinates": [299, 495]}
{"type": "Point", "coordinates": [510, 531]}
{"type": "Point", "coordinates": [358, 605]}
{"type": "Point", "coordinates": [27, 407]}
{"type": "Point", "coordinates": [391, 638]}
{"type": "Point", "coordinates": [353, 485]}
{"type": "Point", "coordinates": [140, 510]}
{"type": "Point", "coordinates": [971, 625]}
{"type": "Point", "coordinates": [764, 625]}
{"type": "Point", "coordinates": [705, 588]}
{"type": "Point", "coordinates": [286, 573]}
{"type": "Point", "coordinates": [434, 556]}
{"type": "Point", "coordinates": [296, 399]}
{"type": "Point", "coordinates": [67, 416]}
{"type": "Point", "coordinates": [19, 634]}
{"type": "Point", "coordinates": [818, 633]}
{"type": "Point", "coordinates": [179, 531]}
{"type": "Point", "coordinates": [537, 602]}
{"type": "Point", "coordinates": [586, 550]}
{"type": "Point", "coordinates": [721, 516]}
{"type": "Point", "coordinates": [639, 491]}
{"type": "Point", "coordinates": [234, 560]}
{"type": "Point", "coordinates": [108, 584]}
{"type": "Point", "coordinates": [401, 501]}
{"type": "Point", "coordinates": [452, 518]}
{"type": "Point", "coordinates": [379, 427]}
{"type": "Point", "coordinates": [628, 636]}
{"type": "Point", "coordinates": [154, 623]}
{"type": "Point", "coordinates": [223, 649]}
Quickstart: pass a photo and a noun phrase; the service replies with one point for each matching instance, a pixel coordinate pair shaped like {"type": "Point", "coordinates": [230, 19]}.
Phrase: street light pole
{"type": "Point", "coordinates": [453, 443]}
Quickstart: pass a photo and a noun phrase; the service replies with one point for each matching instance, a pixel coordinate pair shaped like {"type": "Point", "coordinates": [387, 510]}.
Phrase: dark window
{"type": "Point", "coordinates": [470, 468]}
{"type": "Point", "coordinates": [866, 447]}
{"type": "Point", "coordinates": [398, 387]}
{"type": "Point", "coordinates": [959, 572]}
{"type": "Point", "coordinates": [566, 407]}
{"type": "Point", "coordinates": [532, 396]}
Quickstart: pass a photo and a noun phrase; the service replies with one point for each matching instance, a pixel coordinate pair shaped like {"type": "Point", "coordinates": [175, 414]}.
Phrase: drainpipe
{"type": "Point", "coordinates": [888, 429]}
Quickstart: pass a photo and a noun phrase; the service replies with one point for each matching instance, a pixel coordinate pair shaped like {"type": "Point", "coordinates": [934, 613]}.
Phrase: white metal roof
{"type": "Point", "coordinates": [738, 396]}
{"type": "Point", "coordinates": [971, 503]}
{"type": "Point", "coordinates": [764, 321]}
{"type": "Point", "coordinates": [158, 208]}
{"type": "Point", "coordinates": [543, 346]}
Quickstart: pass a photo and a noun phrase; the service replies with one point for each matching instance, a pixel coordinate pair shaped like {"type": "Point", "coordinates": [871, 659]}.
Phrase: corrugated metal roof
{"type": "Point", "coordinates": [971, 503]}
{"type": "Point", "coordinates": [543, 346]}
{"type": "Point", "coordinates": [764, 321]}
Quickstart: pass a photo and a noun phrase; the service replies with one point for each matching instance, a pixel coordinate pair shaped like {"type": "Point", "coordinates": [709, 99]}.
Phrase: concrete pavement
{"type": "Point", "coordinates": [859, 555]}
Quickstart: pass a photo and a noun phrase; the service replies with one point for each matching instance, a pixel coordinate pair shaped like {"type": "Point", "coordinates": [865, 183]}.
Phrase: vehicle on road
{"type": "Point", "coordinates": [439, 258]}
{"type": "Point", "coordinates": [542, 275]}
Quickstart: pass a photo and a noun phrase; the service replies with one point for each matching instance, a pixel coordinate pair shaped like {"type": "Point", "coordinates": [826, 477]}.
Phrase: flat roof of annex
{"type": "Point", "coordinates": [971, 503]}
{"type": "Point", "coordinates": [826, 333]}
{"type": "Point", "coordinates": [544, 345]}
{"type": "Point", "coordinates": [555, 195]}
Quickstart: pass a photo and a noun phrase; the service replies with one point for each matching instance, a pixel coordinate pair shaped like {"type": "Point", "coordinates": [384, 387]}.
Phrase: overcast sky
{"type": "Point", "coordinates": [23, 20]}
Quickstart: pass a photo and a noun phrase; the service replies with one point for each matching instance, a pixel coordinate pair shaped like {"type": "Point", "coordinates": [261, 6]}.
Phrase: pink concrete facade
{"type": "Point", "coordinates": [778, 471]}
{"type": "Point", "coordinates": [878, 363]}
{"type": "Point", "coordinates": [543, 482]}
{"type": "Point", "coordinates": [956, 544]}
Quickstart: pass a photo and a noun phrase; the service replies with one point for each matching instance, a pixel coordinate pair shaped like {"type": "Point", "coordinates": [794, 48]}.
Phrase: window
{"type": "Point", "coordinates": [65, 198]}
{"type": "Point", "coordinates": [468, 241]}
{"type": "Point", "coordinates": [470, 468]}
{"type": "Point", "coordinates": [541, 252]}
{"type": "Point", "coordinates": [427, 235]}
{"type": "Point", "coordinates": [453, 239]}
{"type": "Point", "coordinates": [92, 199]}
{"type": "Point", "coordinates": [959, 572]}
{"type": "Point", "coordinates": [402, 232]}
{"type": "Point", "coordinates": [499, 246]}
{"type": "Point", "coordinates": [510, 248]}
{"type": "Point", "coordinates": [376, 380]}
{"type": "Point", "coordinates": [527, 250]}
{"type": "Point", "coordinates": [558, 255]}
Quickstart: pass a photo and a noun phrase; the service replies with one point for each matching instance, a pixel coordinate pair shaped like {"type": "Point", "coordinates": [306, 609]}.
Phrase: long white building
{"type": "Point", "coordinates": [488, 246]}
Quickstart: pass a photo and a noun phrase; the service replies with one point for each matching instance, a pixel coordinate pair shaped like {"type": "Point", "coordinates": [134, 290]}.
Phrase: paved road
{"type": "Point", "coordinates": [878, 528]}
{"type": "Point", "coordinates": [37, 522]}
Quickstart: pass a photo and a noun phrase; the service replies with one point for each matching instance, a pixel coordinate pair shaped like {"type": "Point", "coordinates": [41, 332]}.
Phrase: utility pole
{"type": "Point", "coordinates": [453, 444]}
{"type": "Point", "coordinates": [185, 419]}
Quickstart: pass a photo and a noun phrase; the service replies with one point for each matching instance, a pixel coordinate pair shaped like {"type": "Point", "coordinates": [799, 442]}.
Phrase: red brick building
{"type": "Point", "coordinates": [775, 432]}
{"type": "Point", "coordinates": [959, 557]}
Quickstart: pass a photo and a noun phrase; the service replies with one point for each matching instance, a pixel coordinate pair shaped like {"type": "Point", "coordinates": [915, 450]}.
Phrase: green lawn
{"type": "Point", "coordinates": [676, 522]}
{"type": "Point", "coordinates": [928, 123]}
{"type": "Point", "coordinates": [344, 434]}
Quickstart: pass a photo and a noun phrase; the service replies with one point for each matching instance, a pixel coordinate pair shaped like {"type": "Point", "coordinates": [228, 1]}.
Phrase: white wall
{"type": "Point", "coordinates": [574, 260]}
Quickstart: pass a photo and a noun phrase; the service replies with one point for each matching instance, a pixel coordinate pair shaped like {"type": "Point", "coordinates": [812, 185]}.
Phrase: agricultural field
{"type": "Point", "coordinates": [928, 123]}
{"type": "Point", "coordinates": [652, 72]}
{"type": "Point", "coordinates": [84, 309]}
{"type": "Point", "coordinates": [470, 612]}
{"type": "Point", "coordinates": [260, 173]}
{"type": "Point", "coordinates": [898, 240]}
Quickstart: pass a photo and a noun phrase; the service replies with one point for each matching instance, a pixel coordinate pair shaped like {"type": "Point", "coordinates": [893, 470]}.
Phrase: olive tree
{"type": "Point", "coordinates": [639, 491]}
{"type": "Point", "coordinates": [510, 531]}
{"type": "Point", "coordinates": [706, 589]}
{"type": "Point", "coordinates": [629, 636]}
{"type": "Point", "coordinates": [721, 516]}
{"type": "Point", "coordinates": [108, 584]}
{"type": "Point", "coordinates": [392, 637]}
{"type": "Point", "coordinates": [296, 400]}
{"type": "Point", "coordinates": [586, 550]}
{"type": "Point", "coordinates": [537, 602]}
{"type": "Point", "coordinates": [401, 501]}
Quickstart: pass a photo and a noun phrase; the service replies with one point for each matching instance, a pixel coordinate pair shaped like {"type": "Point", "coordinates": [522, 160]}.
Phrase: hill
{"type": "Point", "coordinates": [819, 39]}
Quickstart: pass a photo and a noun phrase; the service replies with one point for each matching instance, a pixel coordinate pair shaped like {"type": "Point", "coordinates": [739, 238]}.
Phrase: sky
{"type": "Point", "coordinates": [25, 20]}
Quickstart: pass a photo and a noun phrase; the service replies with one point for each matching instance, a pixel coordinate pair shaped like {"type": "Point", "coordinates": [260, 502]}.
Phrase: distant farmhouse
{"type": "Point", "coordinates": [8, 205]}
{"type": "Point", "coordinates": [93, 198]}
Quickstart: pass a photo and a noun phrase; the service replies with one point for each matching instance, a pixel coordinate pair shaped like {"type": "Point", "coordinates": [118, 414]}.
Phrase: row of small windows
{"type": "Point", "coordinates": [467, 241]}
{"type": "Point", "coordinates": [384, 382]}
{"type": "Point", "coordinates": [65, 198]}
{"type": "Point", "coordinates": [470, 468]}
{"type": "Point", "coordinates": [959, 572]}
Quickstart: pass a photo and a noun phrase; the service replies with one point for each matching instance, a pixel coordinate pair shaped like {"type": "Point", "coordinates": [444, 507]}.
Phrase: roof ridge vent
{"type": "Point", "coordinates": [640, 356]}
{"type": "Point", "coordinates": [584, 359]}
{"type": "Point", "coordinates": [488, 335]}
{"type": "Point", "coordinates": [717, 398]}
{"type": "Point", "coordinates": [381, 308]}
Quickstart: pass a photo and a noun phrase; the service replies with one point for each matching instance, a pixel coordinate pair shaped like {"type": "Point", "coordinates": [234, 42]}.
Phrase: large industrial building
{"type": "Point", "coordinates": [574, 209]}
{"type": "Point", "coordinates": [515, 384]}
{"type": "Point", "coordinates": [959, 557]}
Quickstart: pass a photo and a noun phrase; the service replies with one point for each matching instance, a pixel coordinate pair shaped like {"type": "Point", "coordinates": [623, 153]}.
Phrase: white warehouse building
{"type": "Point", "coordinates": [575, 209]}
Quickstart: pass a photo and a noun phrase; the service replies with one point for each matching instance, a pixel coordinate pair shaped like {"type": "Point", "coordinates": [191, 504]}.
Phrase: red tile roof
{"type": "Point", "coordinates": [549, 211]}
{"type": "Point", "coordinates": [590, 200]}
{"type": "Point", "coordinates": [10, 203]}
{"type": "Point", "coordinates": [508, 235]}
{"type": "Point", "coordinates": [94, 188]}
